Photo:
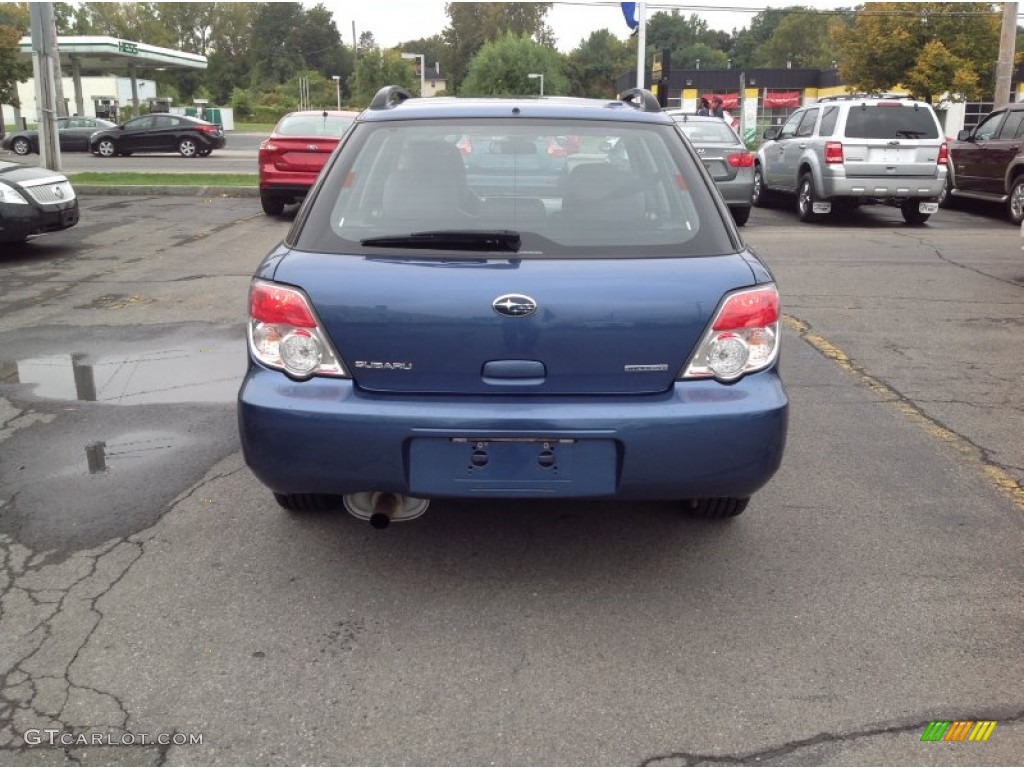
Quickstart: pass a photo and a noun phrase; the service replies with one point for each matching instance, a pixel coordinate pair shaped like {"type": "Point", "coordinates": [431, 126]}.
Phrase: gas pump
{"type": "Point", "coordinates": [106, 107]}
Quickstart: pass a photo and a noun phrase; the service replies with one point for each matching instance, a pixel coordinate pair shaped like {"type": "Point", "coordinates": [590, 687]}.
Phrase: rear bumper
{"type": "Point", "coordinates": [699, 440]}
{"type": "Point", "coordinates": [884, 187]}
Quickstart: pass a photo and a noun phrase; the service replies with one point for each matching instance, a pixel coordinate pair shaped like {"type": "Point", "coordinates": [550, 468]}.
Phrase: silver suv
{"type": "Point", "coordinates": [843, 151]}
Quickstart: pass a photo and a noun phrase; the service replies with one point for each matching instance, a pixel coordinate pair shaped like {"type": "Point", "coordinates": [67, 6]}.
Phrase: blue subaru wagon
{"type": "Point", "coordinates": [426, 330]}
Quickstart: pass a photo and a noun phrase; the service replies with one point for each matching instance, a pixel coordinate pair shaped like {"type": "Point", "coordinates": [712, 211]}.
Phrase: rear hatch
{"type": "Point", "coordinates": [716, 159]}
{"type": "Point", "coordinates": [891, 139]}
{"type": "Point", "coordinates": [295, 154]}
{"type": "Point", "coordinates": [600, 326]}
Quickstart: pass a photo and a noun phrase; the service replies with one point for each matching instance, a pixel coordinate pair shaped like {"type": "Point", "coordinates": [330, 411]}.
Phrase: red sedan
{"type": "Point", "coordinates": [291, 158]}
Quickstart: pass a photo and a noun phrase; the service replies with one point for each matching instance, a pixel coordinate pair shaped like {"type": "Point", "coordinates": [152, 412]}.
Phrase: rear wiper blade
{"type": "Point", "coordinates": [451, 239]}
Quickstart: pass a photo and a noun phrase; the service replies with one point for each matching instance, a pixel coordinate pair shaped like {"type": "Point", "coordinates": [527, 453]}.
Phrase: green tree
{"type": "Point", "coordinates": [502, 66]}
{"type": "Point", "coordinates": [473, 24]}
{"type": "Point", "coordinates": [595, 63]}
{"type": "Point", "coordinates": [747, 41]}
{"type": "Point", "coordinates": [13, 69]}
{"type": "Point", "coordinates": [803, 37]}
{"type": "Point", "coordinates": [888, 45]}
{"type": "Point", "coordinates": [375, 69]}
{"type": "Point", "coordinates": [228, 59]}
{"type": "Point", "coordinates": [274, 47]}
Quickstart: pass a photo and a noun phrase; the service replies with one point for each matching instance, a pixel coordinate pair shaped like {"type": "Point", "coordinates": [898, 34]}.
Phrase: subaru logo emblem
{"type": "Point", "coordinates": [514, 305]}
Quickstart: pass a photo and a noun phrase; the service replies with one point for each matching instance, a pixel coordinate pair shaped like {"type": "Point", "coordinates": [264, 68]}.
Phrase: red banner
{"type": "Point", "coordinates": [782, 99]}
{"type": "Point", "coordinates": [729, 100]}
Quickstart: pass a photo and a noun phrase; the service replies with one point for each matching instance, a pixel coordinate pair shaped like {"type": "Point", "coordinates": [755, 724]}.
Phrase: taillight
{"type": "Point", "coordinates": [743, 337]}
{"type": "Point", "coordinates": [740, 159]}
{"type": "Point", "coordinates": [555, 149]}
{"type": "Point", "coordinates": [833, 152]}
{"type": "Point", "coordinates": [268, 146]}
{"type": "Point", "coordinates": [284, 333]}
{"type": "Point", "coordinates": [943, 155]}
{"type": "Point", "coordinates": [208, 128]}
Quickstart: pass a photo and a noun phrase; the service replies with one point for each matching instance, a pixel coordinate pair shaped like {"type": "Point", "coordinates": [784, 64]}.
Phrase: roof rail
{"type": "Point", "coordinates": [389, 97]}
{"type": "Point", "coordinates": [641, 98]}
{"type": "Point", "coordinates": [858, 96]}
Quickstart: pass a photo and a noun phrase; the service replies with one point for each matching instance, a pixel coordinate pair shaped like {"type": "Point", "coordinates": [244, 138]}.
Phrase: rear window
{"type": "Point", "coordinates": [711, 132]}
{"type": "Point", "coordinates": [313, 125]}
{"type": "Point", "coordinates": [568, 189]}
{"type": "Point", "coordinates": [896, 121]}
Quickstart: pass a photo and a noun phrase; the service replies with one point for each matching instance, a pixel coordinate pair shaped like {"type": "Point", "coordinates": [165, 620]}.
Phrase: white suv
{"type": "Point", "coordinates": [847, 150]}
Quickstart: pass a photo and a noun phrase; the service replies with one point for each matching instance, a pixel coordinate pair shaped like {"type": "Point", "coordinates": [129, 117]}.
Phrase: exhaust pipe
{"type": "Point", "coordinates": [384, 509]}
{"type": "Point", "coordinates": [380, 509]}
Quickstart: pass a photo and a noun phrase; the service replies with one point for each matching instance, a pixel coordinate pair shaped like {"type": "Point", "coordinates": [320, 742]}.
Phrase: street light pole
{"type": "Point", "coordinates": [337, 88]}
{"type": "Point", "coordinates": [423, 74]}
{"type": "Point", "coordinates": [534, 76]}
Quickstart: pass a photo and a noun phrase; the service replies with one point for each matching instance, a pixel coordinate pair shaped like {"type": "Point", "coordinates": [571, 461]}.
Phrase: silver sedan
{"type": "Point", "coordinates": [725, 156]}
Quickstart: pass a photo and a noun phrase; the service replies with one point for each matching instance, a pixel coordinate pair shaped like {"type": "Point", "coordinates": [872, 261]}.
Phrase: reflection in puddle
{"type": "Point", "coordinates": [167, 376]}
{"type": "Point", "coordinates": [101, 455]}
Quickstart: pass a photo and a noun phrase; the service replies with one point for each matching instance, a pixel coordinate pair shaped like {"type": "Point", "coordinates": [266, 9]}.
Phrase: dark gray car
{"type": "Point", "coordinates": [73, 134]}
{"type": "Point", "coordinates": [725, 156]}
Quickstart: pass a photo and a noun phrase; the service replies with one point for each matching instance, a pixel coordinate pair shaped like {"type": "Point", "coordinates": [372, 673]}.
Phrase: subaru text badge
{"type": "Point", "coordinates": [514, 305]}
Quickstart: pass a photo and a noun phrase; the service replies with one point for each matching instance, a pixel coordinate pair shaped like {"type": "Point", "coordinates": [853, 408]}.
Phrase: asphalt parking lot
{"type": "Point", "coordinates": [151, 586]}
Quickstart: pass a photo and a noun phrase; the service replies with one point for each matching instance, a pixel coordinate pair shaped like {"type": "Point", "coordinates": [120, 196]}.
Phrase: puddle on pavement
{"type": "Point", "coordinates": [178, 375]}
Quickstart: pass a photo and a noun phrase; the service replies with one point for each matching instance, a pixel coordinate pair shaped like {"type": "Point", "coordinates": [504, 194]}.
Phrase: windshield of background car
{"type": "Point", "coordinates": [890, 121]}
{"type": "Point", "coordinates": [567, 188]}
{"type": "Point", "coordinates": [708, 132]}
{"type": "Point", "coordinates": [313, 125]}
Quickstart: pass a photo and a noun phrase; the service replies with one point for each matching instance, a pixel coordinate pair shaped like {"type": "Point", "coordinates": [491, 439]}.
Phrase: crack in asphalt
{"type": "Point", "coordinates": [995, 471]}
{"type": "Point", "coordinates": [1003, 716]}
{"type": "Point", "coordinates": [82, 583]}
{"type": "Point", "coordinates": [953, 263]}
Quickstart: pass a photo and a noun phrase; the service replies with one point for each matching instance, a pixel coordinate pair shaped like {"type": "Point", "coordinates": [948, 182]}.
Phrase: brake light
{"type": "Point", "coordinates": [743, 337]}
{"type": "Point", "coordinates": [208, 128]}
{"type": "Point", "coordinates": [833, 152]}
{"type": "Point", "coordinates": [284, 333]}
{"type": "Point", "coordinates": [270, 303]}
{"type": "Point", "coordinates": [943, 155]}
{"type": "Point", "coordinates": [268, 146]}
{"type": "Point", "coordinates": [740, 160]}
{"type": "Point", "coordinates": [555, 149]}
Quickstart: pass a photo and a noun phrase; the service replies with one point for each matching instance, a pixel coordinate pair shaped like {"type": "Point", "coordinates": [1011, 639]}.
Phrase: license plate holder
{"type": "Point", "coordinates": [512, 467]}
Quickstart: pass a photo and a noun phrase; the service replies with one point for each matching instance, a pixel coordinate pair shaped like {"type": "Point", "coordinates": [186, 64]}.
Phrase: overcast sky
{"type": "Point", "coordinates": [396, 21]}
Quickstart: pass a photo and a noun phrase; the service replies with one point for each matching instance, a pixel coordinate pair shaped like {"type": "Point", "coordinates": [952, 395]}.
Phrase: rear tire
{"type": "Point", "coordinates": [272, 206]}
{"type": "Point", "coordinates": [1015, 203]}
{"type": "Point", "coordinates": [307, 502]}
{"type": "Point", "coordinates": [21, 146]}
{"type": "Point", "coordinates": [805, 200]}
{"type": "Point", "coordinates": [760, 195]}
{"type": "Point", "coordinates": [188, 147]}
{"type": "Point", "coordinates": [945, 196]}
{"type": "Point", "coordinates": [716, 509]}
{"type": "Point", "coordinates": [740, 214]}
{"type": "Point", "coordinates": [912, 213]}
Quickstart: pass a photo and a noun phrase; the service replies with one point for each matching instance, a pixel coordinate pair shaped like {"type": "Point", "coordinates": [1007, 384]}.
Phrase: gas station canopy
{"type": "Point", "coordinates": [109, 55]}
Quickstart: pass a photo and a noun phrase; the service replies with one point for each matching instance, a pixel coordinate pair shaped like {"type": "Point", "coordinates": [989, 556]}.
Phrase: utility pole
{"type": "Point", "coordinates": [1004, 67]}
{"type": "Point", "coordinates": [41, 17]}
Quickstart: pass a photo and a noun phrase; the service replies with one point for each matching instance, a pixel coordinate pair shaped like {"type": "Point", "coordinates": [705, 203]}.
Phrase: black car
{"type": "Point", "coordinates": [189, 136]}
{"type": "Point", "coordinates": [32, 201]}
{"type": "Point", "coordinates": [74, 133]}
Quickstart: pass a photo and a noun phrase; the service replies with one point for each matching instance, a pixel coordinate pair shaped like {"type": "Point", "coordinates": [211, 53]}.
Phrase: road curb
{"type": "Point", "coordinates": [179, 190]}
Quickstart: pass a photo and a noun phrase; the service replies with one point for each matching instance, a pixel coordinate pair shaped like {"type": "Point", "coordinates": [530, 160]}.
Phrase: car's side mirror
{"type": "Point", "coordinates": [964, 135]}
{"type": "Point", "coordinates": [772, 133]}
